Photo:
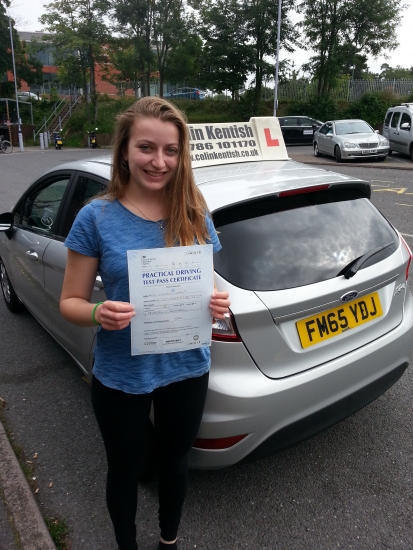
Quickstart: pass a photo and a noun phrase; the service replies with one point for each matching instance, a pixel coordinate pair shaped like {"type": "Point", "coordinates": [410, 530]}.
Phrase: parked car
{"type": "Point", "coordinates": [398, 129]}
{"type": "Point", "coordinates": [321, 317]}
{"type": "Point", "coordinates": [349, 139]}
{"type": "Point", "coordinates": [298, 129]}
{"type": "Point", "coordinates": [28, 96]}
{"type": "Point", "coordinates": [185, 93]}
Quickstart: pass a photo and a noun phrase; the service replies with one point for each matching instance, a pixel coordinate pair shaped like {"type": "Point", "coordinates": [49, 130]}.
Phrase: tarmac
{"type": "Point", "coordinates": [22, 526]}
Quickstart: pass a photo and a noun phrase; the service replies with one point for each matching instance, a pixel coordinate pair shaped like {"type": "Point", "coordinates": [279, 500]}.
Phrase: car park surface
{"type": "Point", "coordinates": [349, 139]}
{"type": "Point", "coordinates": [289, 336]}
{"type": "Point", "coordinates": [346, 487]}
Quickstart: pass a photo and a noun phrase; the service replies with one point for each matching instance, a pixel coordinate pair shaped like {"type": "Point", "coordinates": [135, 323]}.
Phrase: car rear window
{"type": "Point", "coordinates": [280, 243]}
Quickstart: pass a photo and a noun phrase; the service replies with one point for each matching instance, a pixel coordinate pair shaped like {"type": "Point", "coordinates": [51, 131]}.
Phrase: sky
{"type": "Point", "coordinates": [27, 12]}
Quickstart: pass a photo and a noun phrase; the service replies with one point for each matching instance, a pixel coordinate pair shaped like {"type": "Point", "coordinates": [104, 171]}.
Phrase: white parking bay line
{"type": "Point", "coordinates": [406, 235]}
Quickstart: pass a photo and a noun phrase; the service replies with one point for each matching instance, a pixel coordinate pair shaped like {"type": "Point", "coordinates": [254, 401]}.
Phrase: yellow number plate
{"type": "Point", "coordinates": [325, 325]}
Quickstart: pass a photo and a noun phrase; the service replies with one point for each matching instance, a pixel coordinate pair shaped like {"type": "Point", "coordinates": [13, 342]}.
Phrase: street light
{"type": "Point", "coordinates": [277, 59]}
{"type": "Point", "coordinates": [15, 89]}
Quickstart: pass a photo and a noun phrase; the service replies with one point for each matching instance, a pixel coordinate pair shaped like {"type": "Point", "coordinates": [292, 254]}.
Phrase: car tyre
{"type": "Point", "coordinates": [10, 297]}
{"type": "Point", "coordinates": [316, 150]}
{"type": "Point", "coordinates": [411, 153]}
{"type": "Point", "coordinates": [380, 159]}
{"type": "Point", "coordinates": [337, 153]}
{"type": "Point", "coordinates": [390, 153]}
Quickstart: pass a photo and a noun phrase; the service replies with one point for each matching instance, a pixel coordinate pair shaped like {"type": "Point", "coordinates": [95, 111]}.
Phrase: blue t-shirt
{"type": "Point", "coordinates": [106, 230]}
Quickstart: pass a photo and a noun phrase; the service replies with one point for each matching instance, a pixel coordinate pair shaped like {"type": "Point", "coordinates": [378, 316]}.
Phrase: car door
{"type": "Point", "coordinates": [78, 341]}
{"type": "Point", "coordinates": [35, 227]}
{"type": "Point", "coordinates": [394, 141]}
{"type": "Point", "coordinates": [306, 128]}
{"type": "Point", "coordinates": [404, 127]}
{"type": "Point", "coordinates": [291, 130]}
{"type": "Point", "coordinates": [325, 134]}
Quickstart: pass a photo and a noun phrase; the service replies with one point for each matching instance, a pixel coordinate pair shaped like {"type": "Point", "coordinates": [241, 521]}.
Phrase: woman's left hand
{"type": "Point", "coordinates": [219, 304]}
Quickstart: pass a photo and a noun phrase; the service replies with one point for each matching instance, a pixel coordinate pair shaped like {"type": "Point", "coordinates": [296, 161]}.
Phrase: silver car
{"type": "Point", "coordinates": [349, 139]}
{"type": "Point", "coordinates": [321, 315]}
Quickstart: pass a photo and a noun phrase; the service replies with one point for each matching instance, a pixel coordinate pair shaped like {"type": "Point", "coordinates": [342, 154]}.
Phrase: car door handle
{"type": "Point", "coordinates": [32, 255]}
{"type": "Point", "coordinates": [98, 283]}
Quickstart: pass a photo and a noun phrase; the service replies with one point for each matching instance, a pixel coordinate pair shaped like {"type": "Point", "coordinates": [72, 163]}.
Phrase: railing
{"type": "Point", "coordinates": [66, 114]}
{"type": "Point", "coordinates": [55, 110]}
{"type": "Point", "coordinates": [347, 90]}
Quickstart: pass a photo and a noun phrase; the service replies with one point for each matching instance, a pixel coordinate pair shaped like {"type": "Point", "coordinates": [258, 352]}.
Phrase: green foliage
{"type": "Point", "coordinates": [398, 72]}
{"type": "Point", "coordinates": [27, 67]}
{"type": "Point", "coordinates": [371, 108]}
{"type": "Point", "coordinates": [78, 31]}
{"type": "Point", "coordinates": [59, 532]}
{"type": "Point", "coordinates": [343, 32]}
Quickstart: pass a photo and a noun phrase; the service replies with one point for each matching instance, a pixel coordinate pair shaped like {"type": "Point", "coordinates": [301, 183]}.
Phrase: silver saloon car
{"type": "Point", "coordinates": [349, 139]}
{"type": "Point", "coordinates": [321, 317]}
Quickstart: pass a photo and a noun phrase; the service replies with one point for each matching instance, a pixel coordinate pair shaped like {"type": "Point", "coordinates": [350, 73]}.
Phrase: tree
{"type": "Point", "coordinates": [27, 67]}
{"type": "Point", "coordinates": [185, 63]}
{"type": "Point", "coordinates": [252, 24]}
{"type": "Point", "coordinates": [228, 58]}
{"type": "Point", "coordinates": [78, 31]}
{"type": "Point", "coordinates": [168, 28]}
{"type": "Point", "coordinates": [398, 72]}
{"type": "Point", "coordinates": [342, 32]}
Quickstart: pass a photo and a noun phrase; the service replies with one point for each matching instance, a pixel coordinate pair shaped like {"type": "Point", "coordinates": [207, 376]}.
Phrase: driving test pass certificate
{"type": "Point", "coordinates": [170, 289]}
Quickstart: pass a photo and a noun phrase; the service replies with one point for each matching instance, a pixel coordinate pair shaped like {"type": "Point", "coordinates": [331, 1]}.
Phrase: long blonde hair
{"type": "Point", "coordinates": [185, 205]}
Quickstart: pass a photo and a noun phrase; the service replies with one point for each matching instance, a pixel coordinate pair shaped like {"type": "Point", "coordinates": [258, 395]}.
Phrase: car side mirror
{"type": "Point", "coordinates": [6, 221]}
{"type": "Point", "coordinates": [376, 131]}
{"type": "Point", "coordinates": [405, 126]}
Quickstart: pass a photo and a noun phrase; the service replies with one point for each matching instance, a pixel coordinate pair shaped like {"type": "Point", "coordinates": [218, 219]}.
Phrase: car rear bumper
{"type": "Point", "coordinates": [279, 413]}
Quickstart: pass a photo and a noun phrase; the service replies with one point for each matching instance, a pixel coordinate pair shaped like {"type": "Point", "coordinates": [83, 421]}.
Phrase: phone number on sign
{"type": "Point", "coordinates": [223, 145]}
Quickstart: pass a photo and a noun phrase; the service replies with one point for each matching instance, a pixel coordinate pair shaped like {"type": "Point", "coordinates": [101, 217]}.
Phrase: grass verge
{"type": "Point", "coordinates": [59, 532]}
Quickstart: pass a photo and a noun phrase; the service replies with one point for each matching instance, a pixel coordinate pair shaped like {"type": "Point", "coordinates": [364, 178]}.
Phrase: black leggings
{"type": "Point", "coordinates": [123, 423]}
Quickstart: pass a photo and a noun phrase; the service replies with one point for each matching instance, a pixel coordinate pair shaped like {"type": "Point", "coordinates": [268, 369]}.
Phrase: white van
{"type": "Point", "coordinates": [398, 129]}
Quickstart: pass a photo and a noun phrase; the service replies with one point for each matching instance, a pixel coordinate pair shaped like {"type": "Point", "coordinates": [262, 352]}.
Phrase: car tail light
{"type": "Point", "coordinates": [225, 330]}
{"type": "Point", "coordinates": [218, 443]}
{"type": "Point", "coordinates": [197, 92]}
{"type": "Point", "coordinates": [304, 190]}
{"type": "Point", "coordinates": [410, 256]}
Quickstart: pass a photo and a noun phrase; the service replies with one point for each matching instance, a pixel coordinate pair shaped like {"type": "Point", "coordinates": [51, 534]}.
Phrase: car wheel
{"type": "Point", "coordinates": [316, 150]}
{"type": "Point", "coordinates": [380, 159]}
{"type": "Point", "coordinates": [10, 297]}
{"type": "Point", "coordinates": [390, 153]}
{"type": "Point", "coordinates": [411, 153]}
{"type": "Point", "coordinates": [337, 153]}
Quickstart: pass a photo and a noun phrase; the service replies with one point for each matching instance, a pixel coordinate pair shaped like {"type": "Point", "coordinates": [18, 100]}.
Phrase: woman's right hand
{"type": "Point", "coordinates": [114, 315]}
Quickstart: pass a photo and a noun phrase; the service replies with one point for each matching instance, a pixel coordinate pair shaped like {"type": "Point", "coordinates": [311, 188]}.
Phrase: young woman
{"type": "Point", "coordinates": [152, 202]}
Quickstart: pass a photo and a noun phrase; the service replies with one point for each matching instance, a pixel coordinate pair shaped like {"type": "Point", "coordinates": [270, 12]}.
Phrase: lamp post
{"type": "Point", "coordinates": [20, 135]}
{"type": "Point", "coordinates": [277, 59]}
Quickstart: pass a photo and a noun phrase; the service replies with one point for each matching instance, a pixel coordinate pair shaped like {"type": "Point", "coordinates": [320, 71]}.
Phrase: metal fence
{"type": "Point", "coordinates": [349, 90]}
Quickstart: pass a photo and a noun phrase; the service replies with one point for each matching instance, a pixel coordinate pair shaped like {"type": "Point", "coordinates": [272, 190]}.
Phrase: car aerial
{"type": "Point", "coordinates": [321, 320]}
{"type": "Point", "coordinates": [398, 129]}
{"type": "Point", "coordinates": [298, 129]}
{"type": "Point", "coordinates": [349, 139]}
{"type": "Point", "coordinates": [185, 93]}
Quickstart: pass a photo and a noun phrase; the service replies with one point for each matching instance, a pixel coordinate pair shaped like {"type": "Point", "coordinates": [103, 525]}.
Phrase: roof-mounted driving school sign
{"type": "Point", "coordinates": [258, 139]}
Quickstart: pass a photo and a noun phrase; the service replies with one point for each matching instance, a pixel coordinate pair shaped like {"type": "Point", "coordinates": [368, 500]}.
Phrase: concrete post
{"type": "Point", "coordinates": [41, 141]}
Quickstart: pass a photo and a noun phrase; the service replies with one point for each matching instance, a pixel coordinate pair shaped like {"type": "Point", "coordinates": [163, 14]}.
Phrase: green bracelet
{"type": "Point", "coordinates": [93, 313]}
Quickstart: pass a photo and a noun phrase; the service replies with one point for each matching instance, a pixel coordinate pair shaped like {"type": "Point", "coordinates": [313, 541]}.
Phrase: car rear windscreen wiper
{"type": "Point", "coordinates": [351, 269]}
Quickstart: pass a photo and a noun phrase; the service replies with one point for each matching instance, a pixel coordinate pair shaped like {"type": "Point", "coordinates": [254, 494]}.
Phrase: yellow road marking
{"type": "Point", "coordinates": [398, 190]}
